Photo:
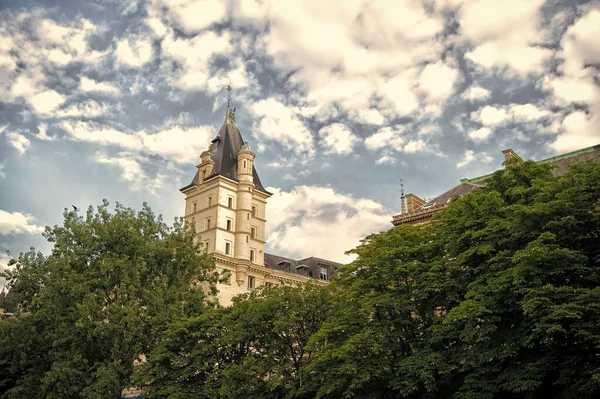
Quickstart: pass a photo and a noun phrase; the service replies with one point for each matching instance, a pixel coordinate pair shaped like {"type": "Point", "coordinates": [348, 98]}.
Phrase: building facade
{"type": "Point", "coordinates": [415, 210]}
{"type": "Point", "coordinates": [226, 203]}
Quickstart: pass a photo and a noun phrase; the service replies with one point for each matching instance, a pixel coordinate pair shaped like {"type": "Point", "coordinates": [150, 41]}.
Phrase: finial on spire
{"type": "Point", "coordinates": [402, 199]}
{"type": "Point", "coordinates": [228, 93]}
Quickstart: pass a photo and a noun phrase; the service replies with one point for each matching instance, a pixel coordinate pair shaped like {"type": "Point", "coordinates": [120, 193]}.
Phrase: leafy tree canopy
{"type": "Point", "coordinates": [100, 300]}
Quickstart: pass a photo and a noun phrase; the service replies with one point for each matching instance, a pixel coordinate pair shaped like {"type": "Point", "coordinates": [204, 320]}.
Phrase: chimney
{"type": "Point", "coordinates": [510, 154]}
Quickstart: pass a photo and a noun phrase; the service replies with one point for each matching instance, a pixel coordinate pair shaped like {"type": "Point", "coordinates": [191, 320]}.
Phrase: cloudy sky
{"type": "Point", "coordinates": [340, 100]}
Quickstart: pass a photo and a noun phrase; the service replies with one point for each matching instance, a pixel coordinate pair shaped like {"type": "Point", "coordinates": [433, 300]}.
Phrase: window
{"type": "Point", "coordinates": [253, 232]}
{"type": "Point", "coordinates": [251, 255]}
{"type": "Point", "coordinates": [194, 207]}
{"type": "Point", "coordinates": [229, 223]}
{"type": "Point", "coordinates": [227, 248]}
{"type": "Point", "coordinates": [248, 217]}
{"type": "Point", "coordinates": [244, 164]}
{"type": "Point", "coordinates": [207, 223]}
{"type": "Point", "coordinates": [209, 201]}
{"type": "Point", "coordinates": [246, 238]}
{"type": "Point", "coordinates": [324, 275]}
{"type": "Point", "coordinates": [250, 282]}
{"type": "Point", "coordinates": [194, 223]}
{"type": "Point", "coordinates": [230, 202]}
{"type": "Point", "coordinates": [268, 285]}
{"type": "Point", "coordinates": [203, 174]}
{"type": "Point", "coordinates": [206, 245]}
{"type": "Point", "coordinates": [253, 211]}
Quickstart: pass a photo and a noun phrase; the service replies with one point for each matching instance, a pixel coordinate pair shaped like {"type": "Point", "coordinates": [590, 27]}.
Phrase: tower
{"type": "Point", "coordinates": [226, 204]}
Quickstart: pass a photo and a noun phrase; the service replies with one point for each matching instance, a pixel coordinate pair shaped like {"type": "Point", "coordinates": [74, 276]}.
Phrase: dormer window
{"type": "Point", "coordinates": [324, 272]}
{"type": "Point", "coordinates": [284, 265]}
{"type": "Point", "coordinates": [304, 270]}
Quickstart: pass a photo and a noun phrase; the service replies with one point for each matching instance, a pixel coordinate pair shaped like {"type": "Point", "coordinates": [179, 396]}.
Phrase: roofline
{"type": "Point", "coordinates": [546, 160]}
{"type": "Point", "coordinates": [225, 177]}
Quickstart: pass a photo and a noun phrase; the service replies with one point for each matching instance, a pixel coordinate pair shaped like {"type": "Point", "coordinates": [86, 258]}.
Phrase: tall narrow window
{"type": "Point", "coordinates": [248, 217]}
{"type": "Point", "coordinates": [250, 282]}
{"type": "Point", "coordinates": [227, 248]}
{"type": "Point", "coordinates": [244, 164]}
{"type": "Point", "coordinates": [253, 232]}
{"type": "Point", "coordinates": [203, 175]}
{"type": "Point", "coordinates": [246, 238]}
{"type": "Point", "coordinates": [324, 274]}
{"type": "Point", "coordinates": [209, 201]}
{"type": "Point", "coordinates": [253, 211]}
{"type": "Point", "coordinates": [251, 255]}
{"type": "Point", "coordinates": [230, 202]}
{"type": "Point", "coordinates": [207, 223]}
{"type": "Point", "coordinates": [229, 224]}
{"type": "Point", "coordinates": [194, 207]}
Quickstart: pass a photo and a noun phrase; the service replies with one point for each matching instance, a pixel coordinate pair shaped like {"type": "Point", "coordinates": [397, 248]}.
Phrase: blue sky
{"type": "Point", "coordinates": [340, 100]}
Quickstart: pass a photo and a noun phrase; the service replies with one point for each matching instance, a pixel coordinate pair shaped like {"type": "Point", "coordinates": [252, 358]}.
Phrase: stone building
{"type": "Point", "coordinates": [227, 204]}
{"type": "Point", "coordinates": [415, 210]}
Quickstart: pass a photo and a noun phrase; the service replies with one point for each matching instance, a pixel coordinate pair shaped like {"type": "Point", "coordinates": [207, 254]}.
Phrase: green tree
{"type": "Point", "coordinates": [254, 349]}
{"type": "Point", "coordinates": [99, 301]}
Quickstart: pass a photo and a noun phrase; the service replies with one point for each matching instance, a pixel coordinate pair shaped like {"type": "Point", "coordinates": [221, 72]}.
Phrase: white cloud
{"type": "Point", "coordinates": [474, 93]}
{"type": "Point", "coordinates": [2, 171]}
{"type": "Point", "coordinates": [302, 220]}
{"type": "Point", "coordinates": [90, 85]}
{"type": "Point", "coordinates": [338, 139]}
{"type": "Point", "coordinates": [386, 137]}
{"type": "Point", "coordinates": [43, 133]}
{"type": "Point", "coordinates": [366, 55]}
{"type": "Point", "coordinates": [20, 142]}
{"type": "Point", "coordinates": [192, 15]}
{"type": "Point", "coordinates": [578, 133]}
{"type": "Point", "coordinates": [480, 134]}
{"type": "Point", "coordinates": [437, 80]}
{"type": "Point", "coordinates": [579, 50]}
{"type": "Point", "coordinates": [504, 33]}
{"type": "Point", "coordinates": [415, 146]}
{"type": "Point", "coordinates": [195, 54]}
{"type": "Point", "coordinates": [386, 159]}
{"type": "Point", "coordinates": [175, 143]}
{"type": "Point", "coordinates": [47, 101]}
{"type": "Point", "coordinates": [133, 51]}
{"type": "Point", "coordinates": [18, 223]}
{"type": "Point", "coordinates": [133, 172]}
{"type": "Point", "coordinates": [280, 123]}
{"type": "Point", "coordinates": [369, 116]}
{"type": "Point", "coordinates": [492, 116]}
{"type": "Point", "coordinates": [468, 157]}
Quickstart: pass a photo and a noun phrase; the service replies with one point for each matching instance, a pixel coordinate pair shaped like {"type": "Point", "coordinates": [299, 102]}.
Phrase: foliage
{"type": "Point", "coordinates": [256, 348]}
{"type": "Point", "coordinates": [102, 298]}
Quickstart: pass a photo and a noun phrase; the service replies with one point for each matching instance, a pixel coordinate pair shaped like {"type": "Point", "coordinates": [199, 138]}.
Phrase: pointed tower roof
{"type": "Point", "coordinates": [224, 148]}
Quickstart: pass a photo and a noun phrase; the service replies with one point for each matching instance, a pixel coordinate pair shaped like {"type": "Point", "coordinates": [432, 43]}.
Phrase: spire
{"type": "Point", "coordinates": [402, 199]}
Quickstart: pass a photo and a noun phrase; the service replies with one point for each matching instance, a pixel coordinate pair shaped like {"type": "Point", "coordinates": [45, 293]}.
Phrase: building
{"type": "Point", "coordinates": [415, 210]}
{"type": "Point", "coordinates": [227, 205]}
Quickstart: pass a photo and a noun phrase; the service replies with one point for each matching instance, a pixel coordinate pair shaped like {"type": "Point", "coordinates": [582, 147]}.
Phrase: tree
{"type": "Point", "coordinates": [99, 301]}
{"type": "Point", "coordinates": [254, 349]}
{"type": "Point", "coordinates": [498, 298]}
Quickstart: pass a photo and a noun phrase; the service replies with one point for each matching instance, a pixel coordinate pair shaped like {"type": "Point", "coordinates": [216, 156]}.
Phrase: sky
{"type": "Point", "coordinates": [339, 100]}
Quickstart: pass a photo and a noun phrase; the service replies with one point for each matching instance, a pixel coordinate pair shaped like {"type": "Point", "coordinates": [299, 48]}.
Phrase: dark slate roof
{"type": "Point", "coordinates": [224, 148]}
{"type": "Point", "coordinates": [443, 199]}
{"type": "Point", "coordinates": [313, 264]}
